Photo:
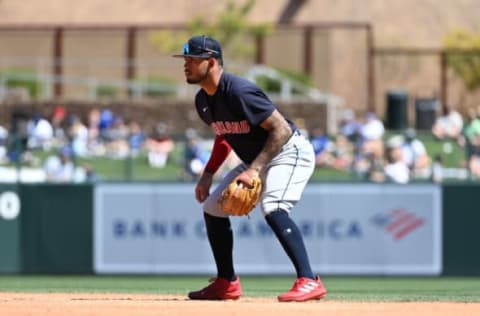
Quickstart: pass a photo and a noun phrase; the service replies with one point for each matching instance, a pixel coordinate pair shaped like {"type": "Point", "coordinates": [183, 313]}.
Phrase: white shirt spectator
{"type": "Point", "coordinates": [412, 150]}
{"type": "Point", "coordinates": [58, 171]}
{"type": "Point", "coordinates": [449, 125]}
{"type": "Point", "coordinates": [396, 170]}
{"type": "Point", "coordinates": [41, 134]}
{"type": "Point", "coordinates": [452, 120]}
{"type": "Point", "coordinates": [79, 134]}
{"type": "Point", "coordinates": [372, 129]}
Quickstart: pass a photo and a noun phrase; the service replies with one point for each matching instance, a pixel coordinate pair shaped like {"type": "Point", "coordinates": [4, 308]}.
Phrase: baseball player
{"type": "Point", "coordinates": [269, 146]}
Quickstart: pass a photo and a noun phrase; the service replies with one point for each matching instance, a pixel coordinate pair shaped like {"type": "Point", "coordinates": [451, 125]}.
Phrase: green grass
{"type": "Point", "coordinates": [453, 159]}
{"type": "Point", "coordinates": [385, 289]}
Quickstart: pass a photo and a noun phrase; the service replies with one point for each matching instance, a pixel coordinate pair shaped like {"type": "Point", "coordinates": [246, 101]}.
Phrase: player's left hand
{"type": "Point", "coordinates": [239, 199]}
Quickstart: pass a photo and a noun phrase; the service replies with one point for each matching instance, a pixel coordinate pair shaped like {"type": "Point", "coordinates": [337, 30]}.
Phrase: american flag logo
{"type": "Point", "coordinates": [398, 222]}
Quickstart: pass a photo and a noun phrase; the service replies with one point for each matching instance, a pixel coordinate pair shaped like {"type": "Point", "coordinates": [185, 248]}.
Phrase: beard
{"type": "Point", "coordinates": [199, 78]}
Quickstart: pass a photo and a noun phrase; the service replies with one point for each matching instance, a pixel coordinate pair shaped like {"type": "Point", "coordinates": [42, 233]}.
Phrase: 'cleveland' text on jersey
{"type": "Point", "coordinates": [221, 128]}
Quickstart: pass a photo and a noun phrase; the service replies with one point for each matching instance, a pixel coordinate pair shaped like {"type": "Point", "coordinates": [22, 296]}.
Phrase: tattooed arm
{"type": "Point", "coordinates": [279, 133]}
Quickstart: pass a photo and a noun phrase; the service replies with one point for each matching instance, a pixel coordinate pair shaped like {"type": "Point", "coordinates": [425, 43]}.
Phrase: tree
{"type": "Point", "coordinates": [464, 56]}
{"type": "Point", "coordinates": [230, 28]}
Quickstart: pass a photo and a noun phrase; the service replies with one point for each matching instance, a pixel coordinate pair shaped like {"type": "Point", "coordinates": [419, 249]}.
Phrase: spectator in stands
{"type": "Point", "coordinates": [159, 145]}
{"type": "Point", "coordinates": [371, 134]}
{"type": "Point", "coordinates": [437, 169]}
{"type": "Point", "coordinates": [95, 144]}
{"type": "Point", "coordinates": [78, 134]}
{"type": "Point", "coordinates": [196, 155]}
{"type": "Point", "coordinates": [474, 161]}
{"type": "Point", "coordinates": [115, 137]}
{"type": "Point", "coordinates": [105, 121]}
{"type": "Point", "coordinates": [349, 127]}
{"type": "Point", "coordinates": [322, 147]}
{"type": "Point", "coordinates": [59, 126]}
{"type": "Point", "coordinates": [343, 153]}
{"type": "Point", "coordinates": [415, 155]}
{"type": "Point", "coordinates": [396, 170]}
{"type": "Point", "coordinates": [60, 167]}
{"type": "Point", "coordinates": [470, 131]}
{"type": "Point", "coordinates": [377, 169]}
{"type": "Point", "coordinates": [347, 140]}
{"type": "Point", "coordinates": [136, 138]}
{"type": "Point", "coordinates": [40, 133]}
{"type": "Point", "coordinates": [369, 146]}
{"type": "Point", "coordinates": [370, 168]}
{"type": "Point", "coordinates": [337, 154]}
{"type": "Point", "coordinates": [448, 126]}
{"type": "Point", "coordinates": [471, 141]}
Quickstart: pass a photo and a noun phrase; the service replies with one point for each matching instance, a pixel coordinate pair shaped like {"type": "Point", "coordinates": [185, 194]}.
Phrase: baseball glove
{"type": "Point", "coordinates": [239, 200]}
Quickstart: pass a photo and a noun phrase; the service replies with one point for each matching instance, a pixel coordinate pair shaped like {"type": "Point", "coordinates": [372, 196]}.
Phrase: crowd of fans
{"type": "Point", "coordinates": [102, 133]}
{"type": "Point", "coordinates": [69, 137]}
{"type": "Point", "coordinates": [361, 146]}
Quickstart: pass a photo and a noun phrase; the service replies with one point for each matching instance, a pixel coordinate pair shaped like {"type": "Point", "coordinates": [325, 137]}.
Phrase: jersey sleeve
{"type": "Point", "coordinates": [221, 150]}
{"type": "Point", "coordinates": [253, 103]}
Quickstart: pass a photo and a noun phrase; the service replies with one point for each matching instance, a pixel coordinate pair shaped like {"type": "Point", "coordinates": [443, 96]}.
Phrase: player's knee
{"type": "Point", "coordinates": [269, 207]}
{"type": "Point", "coordinates": [210, 207]}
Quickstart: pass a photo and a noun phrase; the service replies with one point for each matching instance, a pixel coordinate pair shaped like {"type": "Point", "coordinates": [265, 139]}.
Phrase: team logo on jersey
{"type": "Point", "coordinates": [221, 127]}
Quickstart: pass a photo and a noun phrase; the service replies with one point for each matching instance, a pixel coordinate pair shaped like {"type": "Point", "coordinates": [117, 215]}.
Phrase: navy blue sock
{"type": "Point", "coordinates": [220, 236]}
{"type": "Point", "coordinates": [291, 239]}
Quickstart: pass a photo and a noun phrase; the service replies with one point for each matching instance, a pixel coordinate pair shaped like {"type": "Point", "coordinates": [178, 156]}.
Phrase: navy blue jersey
{"type": "Point", "coordinates": [236, 111]}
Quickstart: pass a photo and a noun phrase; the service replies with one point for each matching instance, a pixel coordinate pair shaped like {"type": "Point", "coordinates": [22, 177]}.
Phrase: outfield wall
{"type": "Point", "coordinates": [9, 229]}
{"type": "Point", "coordinates": [349, 229]}
{"type": "Point", "coordinates": [461, 216]}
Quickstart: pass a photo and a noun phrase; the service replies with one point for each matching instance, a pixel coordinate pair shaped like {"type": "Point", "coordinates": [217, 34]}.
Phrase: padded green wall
{"type": "Point", "coordinates": [56, 230]}
{"type": "Point", "coordinates": [9, 238]}
{"type": "Point", "coordinates": [461, 229]}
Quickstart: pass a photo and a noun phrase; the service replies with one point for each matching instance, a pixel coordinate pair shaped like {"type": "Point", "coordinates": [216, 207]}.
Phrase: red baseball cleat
{"type": "Point", "coordinates": [219, 289]}
{"type": "Point", "coordinates": [304, 289]}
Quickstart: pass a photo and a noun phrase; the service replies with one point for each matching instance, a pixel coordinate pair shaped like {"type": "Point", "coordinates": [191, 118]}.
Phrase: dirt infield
{"type": "Point", "coordinates": [59, 304]}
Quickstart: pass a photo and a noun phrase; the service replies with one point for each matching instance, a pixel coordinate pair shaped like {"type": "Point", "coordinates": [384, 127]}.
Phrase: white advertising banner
{"type": "Point", "coordinates": [355, 229]}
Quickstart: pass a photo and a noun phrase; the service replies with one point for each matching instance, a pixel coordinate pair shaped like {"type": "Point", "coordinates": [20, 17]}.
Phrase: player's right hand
{"type": "Point", "coordinates": [202, 190]}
